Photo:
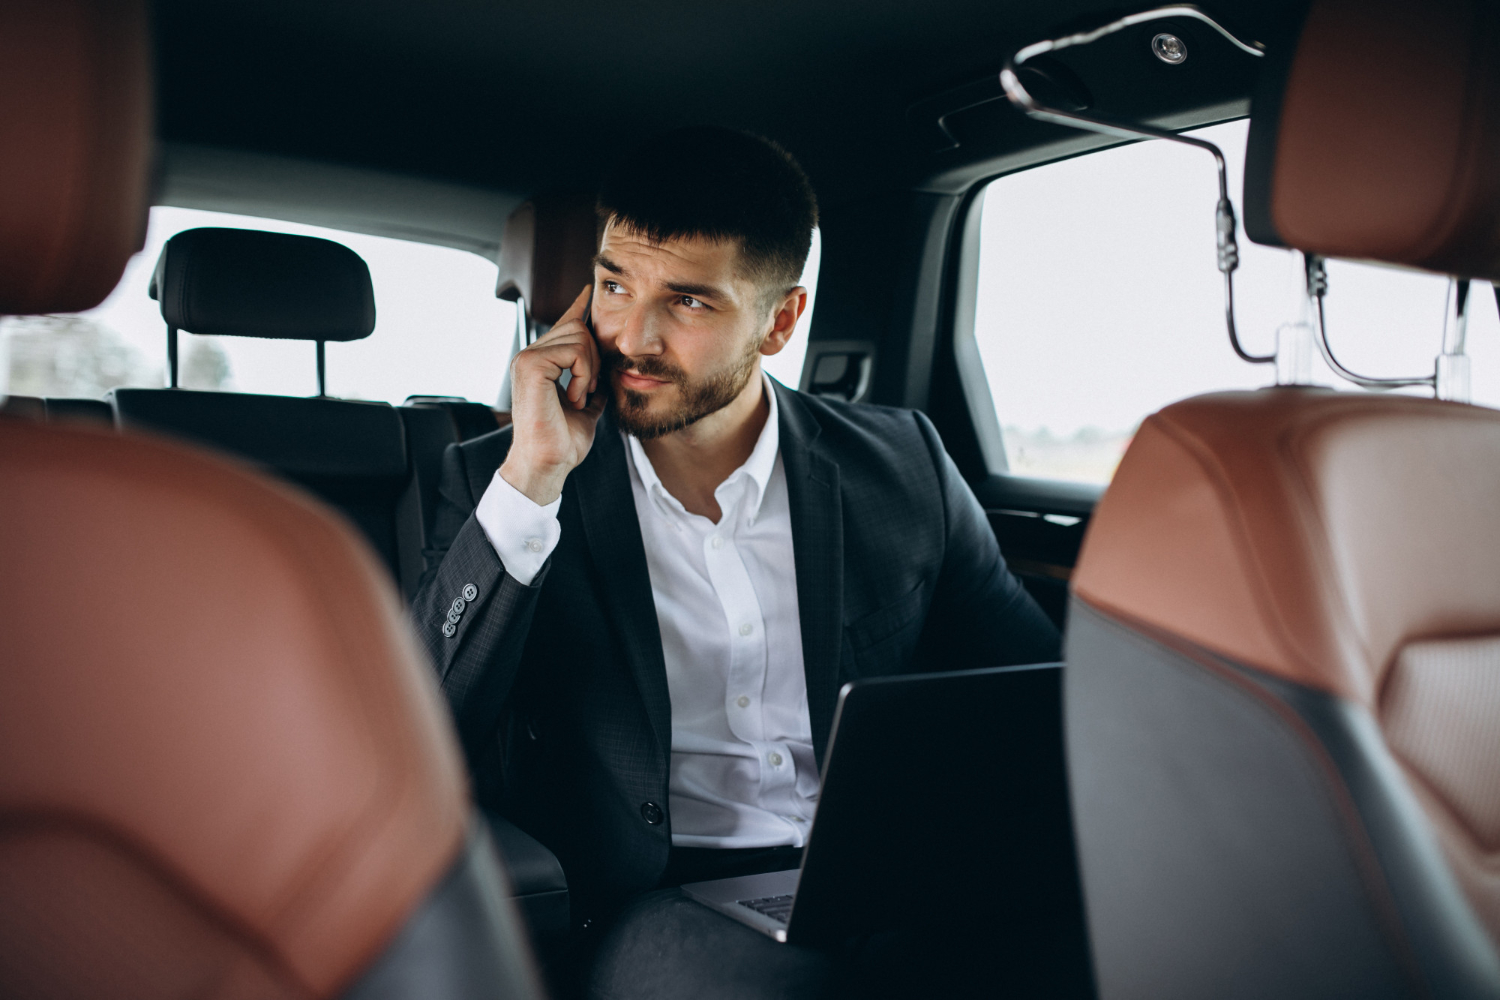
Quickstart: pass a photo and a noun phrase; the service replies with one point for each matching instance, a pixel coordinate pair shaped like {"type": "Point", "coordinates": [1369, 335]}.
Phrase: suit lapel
{"type": "Point", "coordinates": [812, 483]}
{"type": "Point", "coordinates": [607, 507]}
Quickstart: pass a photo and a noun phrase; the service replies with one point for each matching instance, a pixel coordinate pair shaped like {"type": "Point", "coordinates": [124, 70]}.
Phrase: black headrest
{"type": "Point", "coordinates": [248, 283]}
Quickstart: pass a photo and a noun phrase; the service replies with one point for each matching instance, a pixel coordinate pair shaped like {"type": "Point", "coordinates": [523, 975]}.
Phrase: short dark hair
{"type": "Point", "coordinates": [718, 184]}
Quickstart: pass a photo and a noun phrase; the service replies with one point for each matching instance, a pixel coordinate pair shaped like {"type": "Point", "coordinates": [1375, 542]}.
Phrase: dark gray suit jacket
{"type": "Point", "coordinates": [559, 688]}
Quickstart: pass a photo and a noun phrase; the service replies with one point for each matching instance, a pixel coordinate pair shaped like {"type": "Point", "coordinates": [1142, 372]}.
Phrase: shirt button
{"type": "Point", "coordinates": [775, 759]}
{"type": "Point", "coordinates": [534, 544]}
{"type": "Point", "coordinates": [651, 813]}
{"type": "Point", "coordinates": [746, 629]}
{"type": "Point", "coordinates": [743, 701]}
{"type": "Point", "coordinates": [716, 542]}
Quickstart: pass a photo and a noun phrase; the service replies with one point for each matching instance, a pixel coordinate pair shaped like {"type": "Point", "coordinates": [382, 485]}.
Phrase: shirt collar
{"type": "Point", "coordinates": [757, 468]}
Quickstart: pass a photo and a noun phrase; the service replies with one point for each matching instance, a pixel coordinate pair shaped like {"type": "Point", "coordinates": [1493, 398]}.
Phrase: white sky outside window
{"type": "Point", "coordinates": [439, 329]}
{"type": "Point", "coordinates": [1100, 301]}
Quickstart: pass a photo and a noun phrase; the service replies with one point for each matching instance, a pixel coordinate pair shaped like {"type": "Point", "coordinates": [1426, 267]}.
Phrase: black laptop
{"type": "Point", "coordinates": [944, 802]}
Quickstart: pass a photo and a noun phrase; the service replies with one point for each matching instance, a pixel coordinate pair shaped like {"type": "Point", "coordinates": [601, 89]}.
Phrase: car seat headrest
{"type": "Point", "coordinates": [75, 114]}
{"type": "Point", "coordinates": [1378, 137]}
{"type": "Point", "coordinates": [547, 253]}
{"type": "Point", "coordinates": [249, 283]}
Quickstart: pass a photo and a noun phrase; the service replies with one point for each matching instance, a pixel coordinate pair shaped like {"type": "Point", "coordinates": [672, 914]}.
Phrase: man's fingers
{"type": "Point", "coordinates": [583, 369]}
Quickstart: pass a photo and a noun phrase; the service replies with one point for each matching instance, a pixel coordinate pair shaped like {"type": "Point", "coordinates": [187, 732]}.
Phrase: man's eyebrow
{"type": "Point", "coordinates": [602, 261]}
{"type": "Point", "coordinates": [681, 288]}
{"type": "Point", "coordinates": [699, 291]}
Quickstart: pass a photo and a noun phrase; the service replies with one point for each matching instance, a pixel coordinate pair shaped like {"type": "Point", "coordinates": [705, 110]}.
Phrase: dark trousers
{"type": "Point", "coordinates": [665, 946]}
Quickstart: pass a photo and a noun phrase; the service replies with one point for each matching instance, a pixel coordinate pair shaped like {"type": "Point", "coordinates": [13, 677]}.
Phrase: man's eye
{"type": "Point", "coordinates": [612, 287]}
{"type": "Point", "coordinates": [691, 302]}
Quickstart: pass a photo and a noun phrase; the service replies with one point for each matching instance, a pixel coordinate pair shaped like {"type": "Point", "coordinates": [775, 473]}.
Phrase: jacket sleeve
{"type": "Point", "coordinates": [472, 616]}
{"type": "Point", "coordinates": [981, 615]}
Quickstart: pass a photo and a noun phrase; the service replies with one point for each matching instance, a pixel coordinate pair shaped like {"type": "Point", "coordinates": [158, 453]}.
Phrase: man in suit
{"type": "Point", "coordinates": [648, 589]}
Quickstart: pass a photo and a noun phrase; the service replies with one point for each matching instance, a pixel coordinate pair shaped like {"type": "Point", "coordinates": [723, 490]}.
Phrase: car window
{"type": "Point", "coordinates": [1099, 301]}
{"type": "Point", "coordinates": [439, 330]}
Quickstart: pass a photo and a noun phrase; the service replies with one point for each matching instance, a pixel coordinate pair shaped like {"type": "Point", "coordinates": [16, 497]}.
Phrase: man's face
{"type": "Point", "coordinates": [680, 331]}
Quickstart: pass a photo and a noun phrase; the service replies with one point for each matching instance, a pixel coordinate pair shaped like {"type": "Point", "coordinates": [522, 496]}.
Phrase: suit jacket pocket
{"type": "Point", "coordinates": [889, 620]}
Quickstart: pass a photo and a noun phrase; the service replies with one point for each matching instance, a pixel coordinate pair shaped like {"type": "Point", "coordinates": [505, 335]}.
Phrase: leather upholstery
{"type": "Point", "coordinates": [547, 253]}
{"type": "Point", "coordinates": [1269, 527]}
{"type": "Point", "coordinates": [224, 767]}
{"type": "Point", "coordinates": [213, 705]}
{"type": "Point", "coordinates": [1380, 138]}
{"type": "Point", "coordinates": [1438, 713]}
{"type": "Point", "coordinates": [75, 121]}
{"type": "Point", "coordinates": [247, 283]}
{"type": "Point", "coordinates": [1344, 547]}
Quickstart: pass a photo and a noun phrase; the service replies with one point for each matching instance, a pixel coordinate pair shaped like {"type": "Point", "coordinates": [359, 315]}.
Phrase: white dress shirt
{"type": "Point", "coordinates": [743, 772]}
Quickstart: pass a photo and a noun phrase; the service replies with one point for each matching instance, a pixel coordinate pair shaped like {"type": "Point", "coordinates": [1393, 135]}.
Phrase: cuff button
{"type": "Point", "coordinates": [449, 629]}
{"type": "Point", "coordinates": [470, 591]}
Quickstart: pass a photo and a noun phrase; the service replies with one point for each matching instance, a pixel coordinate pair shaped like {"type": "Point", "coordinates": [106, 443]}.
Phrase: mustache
{"type": "Point", "coordinates": [650, 365]}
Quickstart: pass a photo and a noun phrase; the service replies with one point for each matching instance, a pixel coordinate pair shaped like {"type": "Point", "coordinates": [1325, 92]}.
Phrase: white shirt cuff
{"type": "Point", "coordinates": [522, 533]}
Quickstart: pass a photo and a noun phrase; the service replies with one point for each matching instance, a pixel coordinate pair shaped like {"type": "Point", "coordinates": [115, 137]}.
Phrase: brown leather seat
{"type": "Point", "coordinates": [1283, 682]}
{"type": "Point", "coordinates": [547, 256]}
{"type": "Point", "coordinates": [224, 766]}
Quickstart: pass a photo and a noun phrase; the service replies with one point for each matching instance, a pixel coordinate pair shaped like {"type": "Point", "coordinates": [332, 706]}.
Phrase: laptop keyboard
{"type": "Point", "coordinates": [778, 908]}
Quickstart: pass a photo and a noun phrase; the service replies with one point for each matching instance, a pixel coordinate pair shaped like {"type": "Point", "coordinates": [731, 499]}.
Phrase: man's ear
{"type": "Point", "coordinates": [784, 321]}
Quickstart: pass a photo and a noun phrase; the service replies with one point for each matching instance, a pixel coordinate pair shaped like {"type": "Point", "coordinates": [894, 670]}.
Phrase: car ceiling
{"type": "Point", "coordinates": [509, 98]}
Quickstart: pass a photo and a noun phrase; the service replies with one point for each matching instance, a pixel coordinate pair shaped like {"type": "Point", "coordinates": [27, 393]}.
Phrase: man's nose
{"type": "Point", "coordinates": [639, 334]}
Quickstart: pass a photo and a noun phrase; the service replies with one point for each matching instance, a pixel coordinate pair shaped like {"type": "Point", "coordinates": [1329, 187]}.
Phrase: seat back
{"type": "Point", "coordinates": [1283, 682]}
{"type": "Point", "coordinates": [547, 256]}
{"type": "Point", "coordinates": [225, 769]}
{"type": "Point", "coordinates": [469, 419]}
{"type": "Point", "coordinates": [233, 769]}
{"type": "Point", "coordinates": [350, 454]}
{"type": "Point", "coordinates": [237, 282]}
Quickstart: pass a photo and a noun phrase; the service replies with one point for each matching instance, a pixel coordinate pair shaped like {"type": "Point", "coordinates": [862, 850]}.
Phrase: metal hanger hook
{"type": "Point", "coordinates": [1225, 222]}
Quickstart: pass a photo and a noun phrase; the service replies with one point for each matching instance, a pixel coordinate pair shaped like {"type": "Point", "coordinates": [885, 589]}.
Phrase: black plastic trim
{"type": "Point", "coordinates": [463, 943]}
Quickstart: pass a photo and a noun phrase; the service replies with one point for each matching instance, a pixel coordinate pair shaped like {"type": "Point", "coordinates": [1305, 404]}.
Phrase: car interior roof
{"type": "Point", "coordinates": [432, 121]}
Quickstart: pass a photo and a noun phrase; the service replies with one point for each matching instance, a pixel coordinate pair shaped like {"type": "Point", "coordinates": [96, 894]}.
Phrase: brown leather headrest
{"type": "Point", "coordinates": [547, 253]}
{"type": "Point", "coordinates": [1379, 138]}
{"type": "Point", "coordinates": [225, 768]}
{"type": "Point", "coordinates": [75, 149]}
{"type": "Point", "coordinates": [1308, 533]}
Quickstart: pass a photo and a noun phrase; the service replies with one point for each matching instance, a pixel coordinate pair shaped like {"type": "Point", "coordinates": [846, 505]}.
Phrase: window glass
{"type": "Point", "coordinates": [439, 330]}
{"type": "Point", "coordinates": [1099, 302]}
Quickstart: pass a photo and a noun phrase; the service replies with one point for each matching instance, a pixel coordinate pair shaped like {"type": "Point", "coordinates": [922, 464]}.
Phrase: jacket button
{"type": "Point", "coordinates": [651, 813]}
{"type": "Point", "coordinates": [470, 591]}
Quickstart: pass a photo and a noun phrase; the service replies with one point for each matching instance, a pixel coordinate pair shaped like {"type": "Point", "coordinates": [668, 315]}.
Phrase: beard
{"type": "Point", "coordinates": [696, 398]}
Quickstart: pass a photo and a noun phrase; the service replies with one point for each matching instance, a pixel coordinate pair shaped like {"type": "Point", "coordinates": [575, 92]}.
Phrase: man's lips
{"type": "Point", "coordinates": [630, 380]}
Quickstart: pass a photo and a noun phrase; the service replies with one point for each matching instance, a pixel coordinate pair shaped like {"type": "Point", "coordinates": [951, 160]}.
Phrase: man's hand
{"type": "Point", "coordinates": [554, 429]}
